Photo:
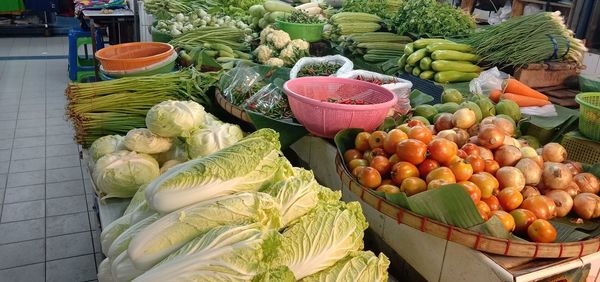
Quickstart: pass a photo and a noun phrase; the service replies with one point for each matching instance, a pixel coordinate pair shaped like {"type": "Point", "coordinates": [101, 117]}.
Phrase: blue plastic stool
{"type": "Point", "coordinates": [76, 39]}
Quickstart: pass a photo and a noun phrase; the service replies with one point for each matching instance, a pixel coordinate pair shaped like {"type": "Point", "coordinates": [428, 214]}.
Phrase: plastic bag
{"type": "Point", "coordinates": [271, 102]}
{"type": "Point", "coordinates": [399, 86]}
{"type": "Point", "coordinates": [239, 84]}
{"type": "Point", "coordinates": [488, 81]}
{"type": "Point", "coordinates": [345, 64]}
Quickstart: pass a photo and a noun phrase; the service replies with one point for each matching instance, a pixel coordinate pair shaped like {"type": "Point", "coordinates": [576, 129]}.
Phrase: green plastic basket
{"type": "Point", "coordinates": [589, 114]}
{"type": "Point", "coordinates": [581, 149]}
{"type": "Point", "coordinates": [307, 32]}
{"type": "Point", "coordinates": [589, 83]}
{"type": "Point", "coordinates": [159, 36]}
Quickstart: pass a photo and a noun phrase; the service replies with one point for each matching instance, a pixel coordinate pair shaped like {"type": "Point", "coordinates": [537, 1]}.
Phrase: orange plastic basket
{"type": "Point", "coordinates": [131, 56]}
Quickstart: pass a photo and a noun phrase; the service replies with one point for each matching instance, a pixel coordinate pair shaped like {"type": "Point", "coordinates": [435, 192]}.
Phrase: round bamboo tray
{"type": "Point", "coordinates": [468, 238]}
{"type": "Point", "coordinates": [231, 108]}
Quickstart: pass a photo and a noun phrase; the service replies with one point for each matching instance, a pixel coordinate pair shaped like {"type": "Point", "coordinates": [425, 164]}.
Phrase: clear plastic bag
{"type": "Point", "coordinates": [488, 81]}
{"type": "Point", "coordinates": [271, 102]}
{"type": "Point", "coordinates": [345, 64]}
{"type": "Point", "coordinates": [239, 84]}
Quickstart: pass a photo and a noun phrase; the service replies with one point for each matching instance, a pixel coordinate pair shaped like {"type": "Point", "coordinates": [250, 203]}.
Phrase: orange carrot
{"type": "Point", "coordinates": [516, 87]}
{"type": "Point", "coordinates": [495, 95]}
{"type": "Point", "coordinates": [524, 101]}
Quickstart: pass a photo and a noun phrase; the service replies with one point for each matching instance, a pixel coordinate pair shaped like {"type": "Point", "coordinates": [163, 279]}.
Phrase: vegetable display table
{"type": "Point", "coordinates": [433, 258]}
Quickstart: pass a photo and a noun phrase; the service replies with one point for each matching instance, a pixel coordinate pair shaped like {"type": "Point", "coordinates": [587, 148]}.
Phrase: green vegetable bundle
{"type": "Point", "coordinates": [232, 38]}
{"type": "Point", "coordinates": [527, 39]}
{"type": "Point", "coordinates": [386, 9]}
{"type": "Point", "coordinates": [116, 106]}
{"type": "Point", "coordinates": [429, 17]}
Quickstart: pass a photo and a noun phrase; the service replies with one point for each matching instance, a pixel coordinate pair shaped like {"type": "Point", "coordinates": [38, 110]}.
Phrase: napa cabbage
{"type": "Point", "coordinates": [228, 253]}
{"type": "Point", "coordinates": [175, 118]}
{"type": "Point", "coordinates": [172, 231]}
{"type": "Point", "coordinates": [142, 140]}
{"type": "Point", "coordinates": [123, 269]}
{"type": "Point", "coordinates": [106, 145]}
{"type": "Point", "coordinates": [104, 272]}
{"type": "Point", "coordinates": [361, 266]}
{"type": "Point", "coordinates": [122, 173]}
{"type": "Point", "coordinates": [248, 165]}
{"type": "Point", "coordinates": [207, 140]}
{"type": "Point", "coordinates": [120, 244]}
{"type": "Point", "coordinates": [168, 165]}
{"type": "Point", "coordinates": [177, 152]}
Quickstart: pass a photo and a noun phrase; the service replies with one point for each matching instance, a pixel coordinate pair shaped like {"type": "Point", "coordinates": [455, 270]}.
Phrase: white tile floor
{"type": "Point", "coordinates": [48, 230]}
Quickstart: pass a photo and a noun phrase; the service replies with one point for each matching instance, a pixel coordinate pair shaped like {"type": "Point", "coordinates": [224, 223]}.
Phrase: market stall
{"type": "Point", "coordinates": [248, 119]}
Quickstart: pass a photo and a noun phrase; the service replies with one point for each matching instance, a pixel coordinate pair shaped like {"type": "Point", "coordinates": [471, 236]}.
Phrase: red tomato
{"type": "Point", "coordinates": [381, 164]}
{"type": "Point", "coordinates": [420, 133]}
{"type": "Point", "coordinates": [462, 170]}
{"type": "Point", "coordinates": [541, 231]}
{"type": "Point", "coordinates": [369, 177]}
{"type": "Point", "coordinates": [510, 198]}
{"type": "Point", "coordinates": [392, 139]}
{"type": "Point", "coordinates": [412, 151]}
{"type": "Point", "coordinates": [361, 142]}
{"type": "Point", "coordinates": [427, 166]}
{"type": "Point", "coordinates": [477, 162]}
{"type": "Point", "coordinates": [442, 150]}
{"type": "Point", "coordinates": [492, 202]}
{"type": "Point", "coordinates": [472, 189]}
{"type": "Point", "coordinates": [470, 149]}
{"type": "Point", "coordinates": [377, 138]}
{"type": "Point", "coordinates": [403, 170]}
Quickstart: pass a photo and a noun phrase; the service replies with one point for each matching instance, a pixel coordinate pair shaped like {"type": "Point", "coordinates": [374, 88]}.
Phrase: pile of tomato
{"type": "Point", "coordinates": [412, 159]}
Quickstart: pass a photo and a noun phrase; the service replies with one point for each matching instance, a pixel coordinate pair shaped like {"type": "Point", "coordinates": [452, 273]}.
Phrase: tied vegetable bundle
{"type": "Point", "coordinates": [432, 18]}
{"type": "Point", "coordinates": [346, 23]}
{"type": "Point", "coordinates": [116, 106]}
{"type": "Point", "coordinates": [386, 9]}
{"type": "Point", "coordinates": [527, 39]}
{"type": "Point", "coordinates": [376, 47]}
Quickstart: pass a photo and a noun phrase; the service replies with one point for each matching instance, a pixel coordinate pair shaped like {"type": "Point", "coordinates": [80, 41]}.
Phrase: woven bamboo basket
{"type": "Point", "coordinates": [231, 108]}
{"type": "Point", "coordinates": [468, 238]}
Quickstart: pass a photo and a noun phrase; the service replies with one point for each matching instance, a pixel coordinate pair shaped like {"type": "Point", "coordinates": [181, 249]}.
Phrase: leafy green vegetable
{"type": "Point", "coordinates": [105, 145]}
{"type": "Point", "coordinates": [120, 244]}
{"type": "Point", "coordinates": [419, 98]}
{"type": "Point", "coordinates": [208, 140]}
{"type": "Point", "coordinates": [303, 18]}
{"type": "Point", "coordinates": [175, 118]}
{"type": "Point", "coordinates": [386, 9]}
{"type": "Point", "coordinates": [429, 17]}
{"type": "Point", "coordinates": [142, 140]}
{"type": "Point", "coordinates": [362, 266]}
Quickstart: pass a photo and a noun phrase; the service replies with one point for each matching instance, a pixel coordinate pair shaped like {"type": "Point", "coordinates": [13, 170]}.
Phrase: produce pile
{"type": "Point", "coordinates": [278, 49]}
{"type": "Point", "coordinates": [432, 18]}
{"type": "Point", "coordinates": [221, 207]}
{"type": "Point", "coordinates": [441, 60]}
{"type": "Point", "coordinates": [476, 144]}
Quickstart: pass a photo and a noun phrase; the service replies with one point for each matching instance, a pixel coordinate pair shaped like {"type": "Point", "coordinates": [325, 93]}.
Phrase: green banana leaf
{"type": "Point", "coordinates": [419, 98]}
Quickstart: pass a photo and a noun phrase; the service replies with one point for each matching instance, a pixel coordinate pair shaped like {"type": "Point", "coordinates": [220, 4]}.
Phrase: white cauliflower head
{"type": "Point", "coordinates": [278, 38]}
{"type": "Point", "coordinates": [263, 53]}
{"type": "Point", "coordinates": [299, 44]}
{"type": "Point", "coordinates": [275, 62]}
{"type": "Point", "coordinates": [287, 52]}
{"type": "Point", "coordinates": [264, 33]}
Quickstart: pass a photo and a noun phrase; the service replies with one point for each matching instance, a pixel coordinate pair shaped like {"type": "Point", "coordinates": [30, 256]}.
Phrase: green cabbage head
{"type": "Point", "coordinates": [205, 141]}
{"type": "Point", "coordinates": [175, 118]}
{"type": "Point", "coordinates": [142, 140]}
{"type": "Point", "coordinates": [106, 145]}
{"type": "Point", "coordinates": [122, 173]}
{"type": "Point", "coordinates": [361, 266]}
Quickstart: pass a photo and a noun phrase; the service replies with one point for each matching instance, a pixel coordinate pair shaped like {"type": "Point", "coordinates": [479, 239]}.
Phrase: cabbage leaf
{"type": "Point", "coordinates": [106, 145]}
{"type": "Point", "coordinates": [120, 244]}
{"type": "Point", "coordinates": [361, 266]}
{"type": "Point", "coordinates": [142, 140]}
{"type": "Point", "coordinates": [175, 118]}
{"type": "Point", "coordinates": [122, 173]}
{"type": "Point", "coordinates": [207, 140]}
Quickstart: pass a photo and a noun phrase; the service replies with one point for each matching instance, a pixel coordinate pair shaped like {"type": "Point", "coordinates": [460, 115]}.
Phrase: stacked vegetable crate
{"type": "Point", "coordinates": [441, 60]}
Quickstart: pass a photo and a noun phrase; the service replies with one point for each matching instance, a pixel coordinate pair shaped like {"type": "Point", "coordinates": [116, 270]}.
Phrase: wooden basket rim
{"type": "Point", "coordinates": [468, 238]}
{"type": "Point", "coordinates": [231, 108]}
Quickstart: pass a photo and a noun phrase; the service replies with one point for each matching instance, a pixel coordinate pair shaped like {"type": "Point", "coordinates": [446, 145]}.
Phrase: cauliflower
{"type": "Point", "coordinates": [299, 44]}
{"type": "Point", "coordinates": [287, 53]}
{"type": "Point", "coordinates": [263, 53]}
{"type": "Point", "coordinates": [276, 62]}
{"type": "Point", "coordinates": [278, 38]}
{"type": "Point", "coordinates": [264, 33]}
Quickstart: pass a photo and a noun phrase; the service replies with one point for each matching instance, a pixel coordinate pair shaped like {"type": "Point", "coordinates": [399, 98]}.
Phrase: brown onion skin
{"type": "Point", "coordinates": [444, 122]}
{"type": "Point", "coordinates": [554, 152]}
{"type": "Point", "coordinates": [529, 191]}
{"type": "Point", "coordinates": [573, 189]}
{"type": "Point", "coordinates": [556, 176]}
{"type": "Point", "coordinates": [509, 176]}
{"type": "Point", "coordinates": [587, 205]}
{"type": "Point", "coordinates": [562, 200]}
{"type": "Point", "coordinates": [486, 153]}
{"type": "Point", "coordinates": [575, 167]}
{"type": "Point", "coordinates": [531, 171]}
{"type": "Point", "coordinates": [587, 183]}
{"type": "Point", "coordinates": [491, 137]}
{"type": "Point", "coordinates": [507, 155]}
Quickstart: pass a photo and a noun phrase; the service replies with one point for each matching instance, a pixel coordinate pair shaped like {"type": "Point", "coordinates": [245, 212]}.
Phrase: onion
{"type": "Point", "coordinates": [531, 171]}
{"type": "Point", "coordinates": [587, 205]}
{"type": "Point", "coordinates": [574, 167]}
{"type": "Point", "coordinates": [509, 176]}
{"type": "Point", "coordinates": [448, 134]}
{"type": "Point", "coordinates": [562, 200]}
{"type": "Point", "coordinates": [464, 118]}
{"type": "Point", "coordinates": [573, 189]}
{"type": "Point", "coordinates": [486, 153]}
{"type": "Point", "coordinates": [554, 152]}
{"type": "Point", "coordinates": [507, 126]}
{"type": "Point", "coordinates": [507, 155]}
{"type": "Point", "coordinates": [587, 183]}
{"type": "Point", "coordinates": [490, 137]}
{"type": "Point", "coordinates": [474, 140]}
{"type": "Point", "coordinates": [473, 130]}
{"type": "Point", "coordinates": [551, 206]}
{"type": "Point", "coordinates": [529, 191]}
{"type": "Point", "coordinates": [556, 176]}
{"type": "Point", "coordinates": [488, 120]}
{"type": "Point", "coordinates": [444, 122]}
{"type": "Point", "coordinates": [539, 151]}
{"type": "Point", "coordinates": [463, 137]}
{"type": "Point", "coordinates": [528, 152]}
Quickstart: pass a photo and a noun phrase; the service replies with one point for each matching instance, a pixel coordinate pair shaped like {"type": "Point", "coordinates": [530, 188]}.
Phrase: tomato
{"type": "Point", "coordinates": [403, 170]}
{"type": "Point", "coordinates": [437, 183]}
{"type": "Point", "coordinates": [461, 154]}
{"type": "Point", "coordinates": [542, 206]}
{"type": "Point", "coordinates": [415, 122]}
{"type": "Point", "coordinates": [443, 173]}
{"type": "Point", "coordinates": [412, 151]}
{"type": "Point", "coordinates": [472, 189]}
{"type": "Point", "coordinates": [404, 128]}
{"type": "Point", "coordinates": [394, 159]}
{"type": "Point", "coordinates": [369, 177]}
{"type": "Point", "coordinates": [541, 231]}
{"type": "Point", "coordinates": [377, 138]}
{"type": "Point", "coordinates": [370, 154]}
{"type": "Point", "coordinates": [388, 189]}
{"type": "Point", "coordinates": [381, 164]}
{"type": "Point", "coordinates": [452, 160]}
{"type": "Point", "coordinates": [510, 198]}
{"type": "Point", "coordinates": [507, 220]}
{"type": "Point", "coordinates": [427, 166]}
{"type": "Point", "coordinates": [392, 139]}
{"type": "Point", "coordinates": [442, 150]}
{"type": "Point", "coordinates": [491, 166]}
{"type": "Point", "coordinates": [351, 155]}
{"type": "Point", "coordinates": [361, 142]}
{"type": "Point", "coordinates": [420, 133]}
{"type": "Point", "coordinates": [461, 170]}
{"type": "Point", "coordinates": [492, 202]}
{"type": "Point", "coordinates": [477, 163]}
{"type": "Point", "coordinates": [484, 210]}
{"type": "Point", "coordinates": [357, 162]}
{"type": "Point", "coordinates": [413, 185]}
{"type": "Point", "coordinates": [387, 181]}
{"type": "Point", "coordinates": [357, 170]}
{"type": "Point", "coordinates": [523, 218]}
{"type": "Point", "coordinates": [486, 182]}
{"type": "Point", "coordinates": [470, 149]}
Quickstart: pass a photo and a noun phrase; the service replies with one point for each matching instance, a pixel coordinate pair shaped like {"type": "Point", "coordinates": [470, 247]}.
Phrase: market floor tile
{"type": "Point", "coordinates": [48, 227]}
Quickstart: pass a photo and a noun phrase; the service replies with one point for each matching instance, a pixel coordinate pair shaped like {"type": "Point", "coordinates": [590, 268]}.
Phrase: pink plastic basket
{"type": "Point", "coordinates": [325, 119]}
